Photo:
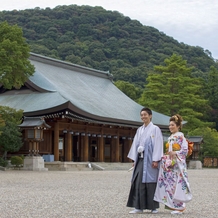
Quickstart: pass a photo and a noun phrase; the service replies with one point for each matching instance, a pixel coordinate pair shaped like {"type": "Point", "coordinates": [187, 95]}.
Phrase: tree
{"type": "Point", "coordinates": [171, 89]}
{"type": "Point", "coordinates": [11, 114]}
{"type": "Point", "coordinates": [15, 68]}
{"type": "Point", "coordinates": [10, 137]}
{"type": "Point", "coordinates": [210, 144]}
{"type": "Point", "coordinates": [129, 89]}
{"type": "Point", "coordinates": [2, 123]}
{"type": "Point", "coordinates": [212, 94]}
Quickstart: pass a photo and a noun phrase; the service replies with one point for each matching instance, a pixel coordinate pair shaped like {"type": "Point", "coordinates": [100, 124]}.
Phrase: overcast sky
{"type": "Point", "coordinates": [194, 22]}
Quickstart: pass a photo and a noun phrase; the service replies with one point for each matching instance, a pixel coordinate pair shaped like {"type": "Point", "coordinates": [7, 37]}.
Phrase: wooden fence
{"type": "Point", "coordinates": [210, 162]}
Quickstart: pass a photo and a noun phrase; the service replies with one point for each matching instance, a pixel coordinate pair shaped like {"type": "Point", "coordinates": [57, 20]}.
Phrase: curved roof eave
{"type": "Point", "coordinates": [88, 116]}
{"type": "Point", "coordinates": [108, 119]}
{"type": "Point", "coordinates": [68, 106]}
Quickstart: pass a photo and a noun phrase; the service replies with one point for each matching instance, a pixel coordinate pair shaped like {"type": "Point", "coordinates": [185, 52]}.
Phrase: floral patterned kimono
{"type": "Point", "coordinates": [173, 188]}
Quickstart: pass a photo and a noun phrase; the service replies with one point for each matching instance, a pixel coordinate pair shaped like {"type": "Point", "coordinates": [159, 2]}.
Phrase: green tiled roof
{"type": "Point", "coordinates": [33, 101]}
{"type": "Point", "coordinates": [87, 92]}
{"type": "Point", "coordinates": [34, 122]}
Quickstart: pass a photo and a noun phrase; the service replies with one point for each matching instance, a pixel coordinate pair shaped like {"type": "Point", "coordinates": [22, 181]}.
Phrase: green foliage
{"type": "Point", "coordinates": [15, 68]}
{"type": "Point", "coordinates": [10, 138]}
{"type": "Point", "coordinates": [210, 141]}
{"type": "Point", "coordinates": [211, 93]}
{"type": "Point", "coordinates": [11, 114]}
{"type": "Point", "coordinates": [171, 89]}
{"type": "Point", "coordinates": [22, 156]}
{"type": "Point", "coordinates": [3, 162]}
{"type": "Point", "coordinates": [2, 123]}
{"type": "Point", "coordinates": [104, 40]}
{"type": "Point", "coordinates": [16, 161]}
{"type": "Point", "coordinates": [129, 89]}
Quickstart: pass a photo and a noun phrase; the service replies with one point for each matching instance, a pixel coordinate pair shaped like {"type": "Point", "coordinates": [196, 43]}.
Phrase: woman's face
{"type": "Point", "coordinates": [173, 127]}
{"type": "Point", "coordinates": [145, 117]}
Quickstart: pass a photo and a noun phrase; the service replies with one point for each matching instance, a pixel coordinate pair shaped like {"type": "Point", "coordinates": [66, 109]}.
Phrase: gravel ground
{"type": "Point", "coordinates": [92, 194]}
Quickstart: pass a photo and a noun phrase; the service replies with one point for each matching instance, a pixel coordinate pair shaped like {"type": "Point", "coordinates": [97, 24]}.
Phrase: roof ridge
{"type": "Point", "coordinates": [70, 66]}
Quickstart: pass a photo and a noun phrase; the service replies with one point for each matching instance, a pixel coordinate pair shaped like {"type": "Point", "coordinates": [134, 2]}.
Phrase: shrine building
{"type": "Point", "coordinates": [90, 119]}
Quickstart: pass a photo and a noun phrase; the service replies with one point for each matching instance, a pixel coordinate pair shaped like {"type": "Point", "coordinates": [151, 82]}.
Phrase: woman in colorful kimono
{"type": "Point", "coordinates": [173, 188]}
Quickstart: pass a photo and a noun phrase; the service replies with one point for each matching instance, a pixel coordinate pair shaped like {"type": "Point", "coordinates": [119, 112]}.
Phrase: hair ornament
{"type": "Point", "coordinates": [175, 117]}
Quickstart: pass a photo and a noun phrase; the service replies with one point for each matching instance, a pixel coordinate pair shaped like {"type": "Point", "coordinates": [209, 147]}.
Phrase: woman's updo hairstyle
{"type": "Point", "coordinates": [177, 119]}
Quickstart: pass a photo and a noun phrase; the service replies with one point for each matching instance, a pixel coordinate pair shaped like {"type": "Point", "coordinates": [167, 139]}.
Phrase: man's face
{"type": "Point", "coordinates": [145, 117]}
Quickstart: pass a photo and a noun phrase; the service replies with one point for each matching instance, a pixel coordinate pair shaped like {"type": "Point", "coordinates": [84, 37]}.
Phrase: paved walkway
{"type": "Point", "coordinates": [92, 194]}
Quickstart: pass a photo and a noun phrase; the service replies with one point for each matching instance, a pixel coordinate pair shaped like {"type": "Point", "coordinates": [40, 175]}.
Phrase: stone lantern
{"type": "Point", "coordinates": [34, 127]}
{"type": "Point", "coordinates": [193, 160]}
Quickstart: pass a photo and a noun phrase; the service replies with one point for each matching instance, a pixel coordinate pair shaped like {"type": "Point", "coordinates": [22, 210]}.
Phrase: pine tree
{"type": "Point", "coordinates": [171, 89]}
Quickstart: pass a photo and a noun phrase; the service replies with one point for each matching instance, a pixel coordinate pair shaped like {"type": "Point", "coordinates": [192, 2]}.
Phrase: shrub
{"type": "Point", "coordinates": [3, 162]}
{"type": "Point", "coordinates": [22, 156]}
{"type": "Point", "coordinates": [16, 161]}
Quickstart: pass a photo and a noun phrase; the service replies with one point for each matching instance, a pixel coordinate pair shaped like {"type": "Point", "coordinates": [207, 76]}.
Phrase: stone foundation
{"type": "Point", "coordinates": [195, 164]}
{"type": "Point", "coordinates": [67, 166]}
{"type": "Point", "coordinates": [34, 163]}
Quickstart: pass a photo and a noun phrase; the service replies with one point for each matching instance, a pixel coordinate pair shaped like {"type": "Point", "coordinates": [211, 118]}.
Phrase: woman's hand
{"type": "Point", "coordinates": [172, 154]}
{"type": "Point", "coordinates": [155, 164]}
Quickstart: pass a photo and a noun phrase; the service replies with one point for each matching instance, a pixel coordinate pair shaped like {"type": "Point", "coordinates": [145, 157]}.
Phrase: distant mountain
{"type": "Point", "coordinates": [104, 40]}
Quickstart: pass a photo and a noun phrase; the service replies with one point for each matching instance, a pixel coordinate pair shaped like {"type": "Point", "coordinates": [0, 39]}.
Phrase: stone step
{"type": "Point", "coordinates": [68, 166]}
{"type": "Point", "coordinates": [110, 166]}
{"type": "Point", "coordinates": [83, 166]}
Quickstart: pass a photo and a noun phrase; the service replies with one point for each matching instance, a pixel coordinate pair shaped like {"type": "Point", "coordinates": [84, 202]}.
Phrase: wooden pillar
{"type": "Point", "coordinates": [35, 148]}
{"type": "Point", "coordinates": [30, 147]}
{"type": "Point", "coordinates": [86, 148]}
{"type": "Point", "coordinates": [113, 150]}
{"type": "Point", "coordinates": [125, 150]}
{"type": "Point", "coordinates": [129, 146]}
{"type": "Point", "coordinates": [68, 152]}
{"type": "Point", "coordinates": [82, 148]}
{"type": "Point", "coordinates": [117, 149]}
{"type": "Point", "coordinates": [56, 142]}
{"type": "Point", "coordinates": [101, 149]}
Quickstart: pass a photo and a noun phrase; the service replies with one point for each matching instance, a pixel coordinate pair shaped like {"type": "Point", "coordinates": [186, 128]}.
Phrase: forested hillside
{"type": "Point", "coordinates": [104, 40]}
